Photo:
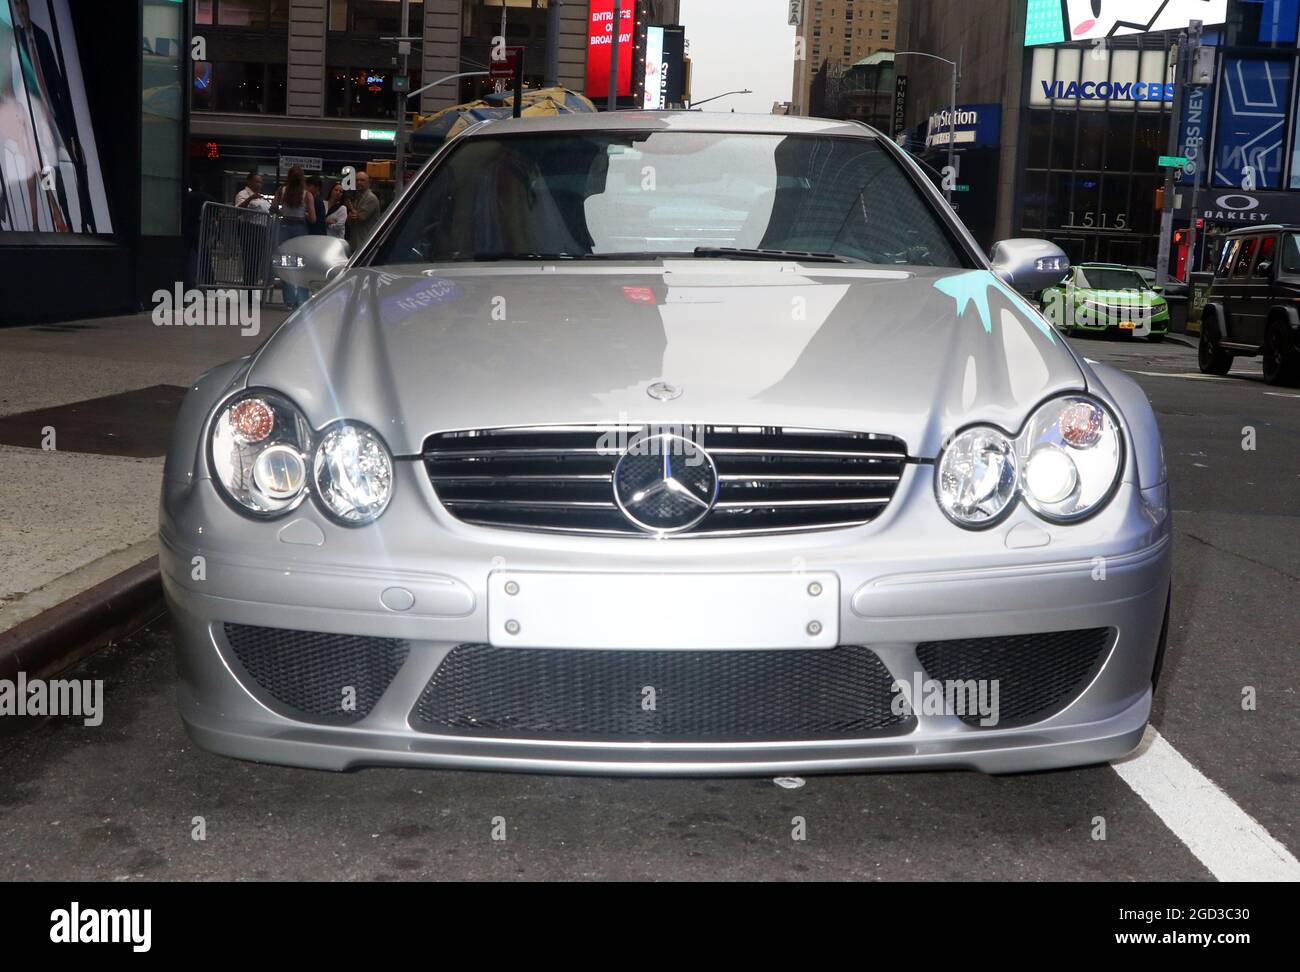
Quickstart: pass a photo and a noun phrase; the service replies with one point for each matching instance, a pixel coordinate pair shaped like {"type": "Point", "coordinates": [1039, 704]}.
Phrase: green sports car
{"type": "Point", "coordinates": [1107, 298]}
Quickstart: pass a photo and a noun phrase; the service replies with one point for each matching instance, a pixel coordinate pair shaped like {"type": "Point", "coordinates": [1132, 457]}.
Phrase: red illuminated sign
{"type": "Point", "coordinates": [600, 39]}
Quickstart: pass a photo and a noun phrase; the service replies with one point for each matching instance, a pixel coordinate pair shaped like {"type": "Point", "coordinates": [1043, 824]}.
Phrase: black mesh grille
{"type": "Point", "coordinates": [560, 479]}
{"type": "Point", "coordinates": [698, 695]}
{"type": "Point", "coordinates": [1037, 675]}
{"type": "Point", "coordinates": [305, 674]}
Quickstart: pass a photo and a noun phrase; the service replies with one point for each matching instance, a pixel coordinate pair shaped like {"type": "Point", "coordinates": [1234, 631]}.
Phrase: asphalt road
{"type": "Point", "coordinates": [118, 802]}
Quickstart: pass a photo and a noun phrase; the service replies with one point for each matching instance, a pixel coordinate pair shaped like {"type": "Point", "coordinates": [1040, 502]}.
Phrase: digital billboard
{"type": "Point", "coordinates": [50, 180]}
{"type": "Point", "coordinates": [1057, 21]}
{"type": "Point", "coordinates": [665, 67]}
{"type": "Point", "coordinates": [600, 41]}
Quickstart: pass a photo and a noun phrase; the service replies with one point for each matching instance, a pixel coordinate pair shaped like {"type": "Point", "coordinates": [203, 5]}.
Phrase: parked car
{"type": "Point", "coordinates": [1252, 306]}
{"type": "Point", "coordinates": [1107, 298]}
{"type": "Point", "coordinates": [1174, 288]}
{"type": "Point", "coordinates": [554, 476]}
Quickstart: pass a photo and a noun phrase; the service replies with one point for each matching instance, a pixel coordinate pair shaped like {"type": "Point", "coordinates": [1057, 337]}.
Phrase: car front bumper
{"type": "Point", "coordinates": [908, 578]}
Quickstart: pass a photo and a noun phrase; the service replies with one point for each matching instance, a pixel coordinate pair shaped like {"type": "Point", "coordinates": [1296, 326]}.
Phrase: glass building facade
{"type": "Point", "coordinates": [1096, 117]}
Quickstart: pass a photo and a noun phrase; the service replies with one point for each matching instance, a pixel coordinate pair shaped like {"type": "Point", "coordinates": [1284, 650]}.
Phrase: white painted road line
{"type": "Point", "coordinates": [1225, 838]}
{"type": "Point", "coordinates": [1187, 374]}
{"type": "Point", "coordinates": [1281, 395]}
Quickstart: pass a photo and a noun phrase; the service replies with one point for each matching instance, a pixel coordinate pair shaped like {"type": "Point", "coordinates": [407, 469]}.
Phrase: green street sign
{"type": "Point", "coordinates": [1172, 161]}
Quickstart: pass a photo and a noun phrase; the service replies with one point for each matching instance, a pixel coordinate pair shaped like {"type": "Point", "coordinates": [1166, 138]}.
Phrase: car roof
{"type": "Point", "coordinates": [1265, 228]}
{"type": "Point", "coordinates": [685, 121]}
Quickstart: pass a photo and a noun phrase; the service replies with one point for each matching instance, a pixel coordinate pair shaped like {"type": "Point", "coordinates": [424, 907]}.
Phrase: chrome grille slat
{"type": "Point", "coordinates": [559, 479]}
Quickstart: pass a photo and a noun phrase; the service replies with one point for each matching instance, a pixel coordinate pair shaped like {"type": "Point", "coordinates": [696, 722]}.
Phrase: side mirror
{"type": "Point", "coordinates": [311, 261]}
{"type": "Point", "coordinates": [1029, 265]}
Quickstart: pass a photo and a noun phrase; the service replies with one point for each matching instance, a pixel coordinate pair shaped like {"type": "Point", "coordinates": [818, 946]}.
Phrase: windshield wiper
{"type": "Point", "coordinates": [742, 253]}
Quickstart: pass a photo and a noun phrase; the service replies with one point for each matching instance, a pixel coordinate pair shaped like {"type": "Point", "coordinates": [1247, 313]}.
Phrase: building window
{"type": "Point", "coordinates": [240, 86]}
{"type": "Point", "coordinates": [365, 92]}
{"type": "Point", "coordinates": [248, 14]}
{"type": "Point", "coordinates": [374, 18]}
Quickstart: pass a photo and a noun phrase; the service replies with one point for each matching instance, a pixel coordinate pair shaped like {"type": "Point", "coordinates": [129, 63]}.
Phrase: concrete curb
{"type": "Point", "coordinates": [61, 636]}
{"type": "Point", "coordinates": [1183, 339]}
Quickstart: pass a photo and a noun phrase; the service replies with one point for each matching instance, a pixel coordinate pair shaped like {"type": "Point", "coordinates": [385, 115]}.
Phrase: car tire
{"type": "Point", "coordinates": [1211, 358]}
{"type": "Point", "coordinates": [1281, 364]}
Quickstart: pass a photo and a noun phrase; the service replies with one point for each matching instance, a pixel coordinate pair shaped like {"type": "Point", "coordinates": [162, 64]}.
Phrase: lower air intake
{"type": "Point", "coordinates": [314, 677]}
{"type": "Point", "coordinates": [697, 695]}
{"type": "Point", "coordinates": [1038, 675]}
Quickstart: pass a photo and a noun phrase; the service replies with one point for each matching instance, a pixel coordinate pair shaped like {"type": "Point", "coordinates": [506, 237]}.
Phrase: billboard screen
{"type": "Point", "coordinates": [600, 40]}
{"type": "Point", "coordinates": [50, 180]}
{"type": "Point", "coordinates": [665, 67]}
{"type": "Point", "coordinates": [1057, 21]}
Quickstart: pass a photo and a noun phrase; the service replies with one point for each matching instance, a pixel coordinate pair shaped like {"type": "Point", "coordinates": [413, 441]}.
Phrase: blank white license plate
{"type": "Point", "coordinates": [663, 611]}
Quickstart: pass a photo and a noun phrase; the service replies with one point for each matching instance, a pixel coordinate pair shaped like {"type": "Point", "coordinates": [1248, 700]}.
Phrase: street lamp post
{"type": "Point", "coordinates": [951, 174]}
{"type": "Point", "coordinates": [725, 94]}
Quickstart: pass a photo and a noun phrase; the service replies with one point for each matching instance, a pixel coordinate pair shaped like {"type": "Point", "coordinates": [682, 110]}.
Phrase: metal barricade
{"type": "Point", "coordinates": [235, 247]}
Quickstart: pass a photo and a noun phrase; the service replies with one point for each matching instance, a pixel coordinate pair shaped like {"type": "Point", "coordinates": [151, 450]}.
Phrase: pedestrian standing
{"type": "Point", "coordinates": [297, 208]}
{"type": "Point", "coordinates": [336, 212]}
{"type": "Point", "coordinates": [364, 212]}
{"type": "Point", "coordinates": [317, 226]}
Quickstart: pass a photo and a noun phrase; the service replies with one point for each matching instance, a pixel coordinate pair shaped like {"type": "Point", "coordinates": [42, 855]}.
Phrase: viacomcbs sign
{"type": "Point", "coordinates": [1108, 90]}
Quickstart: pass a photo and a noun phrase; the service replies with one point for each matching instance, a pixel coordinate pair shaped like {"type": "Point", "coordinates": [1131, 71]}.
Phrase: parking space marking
{"type": "Point", "coordinates": [1231, 843]}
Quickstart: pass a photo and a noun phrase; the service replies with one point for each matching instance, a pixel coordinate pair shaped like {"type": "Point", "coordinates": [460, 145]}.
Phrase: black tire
{"type": "Point", "coordinates": [1155, 338]}
{"type": "Point", "coordinates": [1281, 363]}
{"type": "Point", "coordinates": [1211, 358]}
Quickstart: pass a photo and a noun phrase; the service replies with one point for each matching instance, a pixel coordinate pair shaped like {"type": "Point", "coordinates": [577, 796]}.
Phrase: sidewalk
{"type": "Point", "coordinates": [103, 393]}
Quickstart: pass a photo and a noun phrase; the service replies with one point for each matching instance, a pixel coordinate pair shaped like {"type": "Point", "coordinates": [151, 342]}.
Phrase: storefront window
{"type": "Point", "coordinates": [1098, 118]}
{"type": "Point", "coordinates": [1254, 104]}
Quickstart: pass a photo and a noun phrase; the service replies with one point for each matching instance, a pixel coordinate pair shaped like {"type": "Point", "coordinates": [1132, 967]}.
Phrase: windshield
{"type": "Point", "coordinates": [642, 194]}
{"type": "Point", "coordinates": [1101, 278]}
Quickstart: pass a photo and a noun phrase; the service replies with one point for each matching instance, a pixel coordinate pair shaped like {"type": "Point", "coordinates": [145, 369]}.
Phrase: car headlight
{"type": "Point", "coordinates": [977, 477]}
{"type": "Point", "coordinates": [1071, 453]}
{"type": "Point", "coordinates": [258, 452]}
{"type": "Point", "coordinates": [353, 473]}
{"type": "Point", "coordinates": [1066, 464]}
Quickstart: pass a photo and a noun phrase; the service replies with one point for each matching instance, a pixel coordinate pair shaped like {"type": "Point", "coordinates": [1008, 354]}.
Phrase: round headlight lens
{"type": "Point", "coordinates": [353, 473]}
{"type": "Point", "coordinates": [258, 448]}
{"type": "Point", "coordinates": [977, 477]}
{"type": "Point", "coordinates": [1072, 454]}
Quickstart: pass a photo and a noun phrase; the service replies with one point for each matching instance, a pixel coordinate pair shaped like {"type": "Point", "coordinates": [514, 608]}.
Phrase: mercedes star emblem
{"type": "Point", "coordinates": [665, 483]}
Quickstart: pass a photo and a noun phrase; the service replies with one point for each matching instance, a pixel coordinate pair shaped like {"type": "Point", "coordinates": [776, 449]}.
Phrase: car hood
{"type": "Point", "coordinates": [917, 354]}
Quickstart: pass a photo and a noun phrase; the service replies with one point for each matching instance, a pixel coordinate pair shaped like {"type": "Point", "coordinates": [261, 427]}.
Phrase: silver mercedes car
{"type": "Point", "coordinates": [668, 443]}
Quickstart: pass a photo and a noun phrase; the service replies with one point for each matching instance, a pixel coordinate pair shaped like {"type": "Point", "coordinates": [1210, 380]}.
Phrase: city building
{"type": "Point", "coordinates": [1084, 122]}
{"type": "Point", "coordinates": [312, 81]}
{"type": "Point", "coordinates": [833, 36]}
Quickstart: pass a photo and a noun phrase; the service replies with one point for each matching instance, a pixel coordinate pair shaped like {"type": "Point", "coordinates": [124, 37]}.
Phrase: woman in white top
{"type": "Point", "coordinates": [336, 212]}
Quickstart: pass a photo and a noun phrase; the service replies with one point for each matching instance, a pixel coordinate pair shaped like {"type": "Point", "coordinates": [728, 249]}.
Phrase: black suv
{"type": "Point", "coordinates": [1254, 303]}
